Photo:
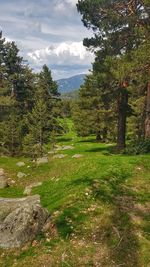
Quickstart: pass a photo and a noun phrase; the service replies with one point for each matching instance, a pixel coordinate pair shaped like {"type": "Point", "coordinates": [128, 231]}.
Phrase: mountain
{"type": "Point", "coordinates": [70, 84]}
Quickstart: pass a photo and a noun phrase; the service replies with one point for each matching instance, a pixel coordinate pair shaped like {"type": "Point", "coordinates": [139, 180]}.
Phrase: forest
{"type": "Point", "coordinates": [115, 96]}
{"type": "Point", "coordinates": [94, 144]}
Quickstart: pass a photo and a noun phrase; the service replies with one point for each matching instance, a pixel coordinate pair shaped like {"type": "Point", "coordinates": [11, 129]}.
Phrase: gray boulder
{"type": "Point", "coordinates": [3, 179]}
{"type": "Point", "coordinates": [21, 220]}
{"type": "Point", "coordinates": [21, 175]}
{"type": "Point", "coordinates": [77, 156]}
{"type": "Point", "coordinates": [51, 152]}
{"type": "Point", "coordinates": [20, 164]}
{"type": "Point", "coordinates": [28, 188]}
{"type": "Point", "coordinates": [67, 147]}
{"type": "Point", "coordinates": [57, 147]}
{"type": "Point", "coordinates": [42, 160]}
{"type": "Point", "coordinates": [59, 156]}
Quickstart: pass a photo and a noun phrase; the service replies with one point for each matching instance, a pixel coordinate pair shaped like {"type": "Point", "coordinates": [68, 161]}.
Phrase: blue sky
{"type": "Point", "coordinates": [47, 32]}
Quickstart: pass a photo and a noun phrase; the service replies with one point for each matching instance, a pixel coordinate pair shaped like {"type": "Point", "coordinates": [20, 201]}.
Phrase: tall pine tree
{"type": "Point", "coordinates": [117, 30]}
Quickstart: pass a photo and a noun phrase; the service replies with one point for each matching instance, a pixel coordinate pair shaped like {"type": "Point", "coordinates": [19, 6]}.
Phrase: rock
{"type": "Point", "coordinates": [51, 152]}
{"type": "Point", "coordinates": [59, 156]}
{"type": "Point", "coordinates": [20, 164]}
{"type": "Point", "coordinates": [57, 147]}
{"type": "Point", "coordinates": [47, 226]}
{"type": "Point", "coordinates": [42, 160]}
{"type": "Point", "coordinates": [10, 181]}
{"type": "Point", "coordinates": [3, 179]}
{"type": "Point", "coordinates": [28, 188]}
{"type": "Point", "coordinates": [21, 175]}
{"type": "Point", "coordinates": [67, 147]}
{"type": "Point", "coordinates": [1, 171]}
{"type": "Point", "coordinates": [21, 220]}
{"type": "Point", "coordinates": [77, 156]}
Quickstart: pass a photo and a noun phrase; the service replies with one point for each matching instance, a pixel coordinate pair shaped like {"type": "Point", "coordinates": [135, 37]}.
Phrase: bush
{"type": "Point", "coordinates": [137, 148]}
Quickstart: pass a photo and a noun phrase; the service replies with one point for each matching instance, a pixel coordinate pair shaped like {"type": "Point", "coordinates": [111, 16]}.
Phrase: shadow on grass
{"type": "Point", "coordinates": [119, 235]}
{"type": "Point", "coordinates": [91, 140]}
{"type": "Point", "coordinates": [68, 220]}
{"type": "Point", "coordinates": [123, 243]}
{"type": "Point", "coordinates": [63, 139]}
{"type": "Point", "coordinates": [105, 149]}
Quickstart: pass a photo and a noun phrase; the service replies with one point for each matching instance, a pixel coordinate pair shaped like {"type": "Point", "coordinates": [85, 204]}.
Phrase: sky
{"type": "Point", "coordinates": [47, 32]}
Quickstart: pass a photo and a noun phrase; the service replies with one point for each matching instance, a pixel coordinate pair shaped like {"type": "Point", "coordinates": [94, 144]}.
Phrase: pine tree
{"type": "Point", "coordinates": [141, 66]}
{"type": "Point", "coordinates": [29, 97]}
{"type": "Point", "coordinates": [49, 86]}
{"type": "Point", "coordinates": [38, 130]}
{"type": "Point", "coordinates": [117, 30]}
{"type": "Point", "coordinates": [10, 135]}
{"type": "Point", "coordinates": [5, 101]}
{"type": "Point", "coordinates": [138, 73]}
{"type": "Point", "coordinates": [42, 121]}
{"type": "Point", "coordinates": [47, 90]}
{"type": "Point", "coordinates": [93, 114]}
{"type": "Point", "coordinates": [20, 79]}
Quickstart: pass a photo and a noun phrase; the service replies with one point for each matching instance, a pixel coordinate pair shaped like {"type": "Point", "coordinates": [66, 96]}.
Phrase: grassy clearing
{"type": "Point", "coordinates": [99, 205]}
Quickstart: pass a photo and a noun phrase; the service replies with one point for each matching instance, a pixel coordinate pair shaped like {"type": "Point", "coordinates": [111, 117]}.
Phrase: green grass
{"type": "Point", "coordinates": [99, 205]}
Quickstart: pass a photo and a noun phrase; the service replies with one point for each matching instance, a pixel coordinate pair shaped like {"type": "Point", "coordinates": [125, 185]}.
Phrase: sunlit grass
{"type": "Point", "coordinates": [95, 203]}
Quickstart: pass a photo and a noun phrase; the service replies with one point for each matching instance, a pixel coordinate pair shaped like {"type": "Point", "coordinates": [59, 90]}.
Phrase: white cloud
{"type": "Point", "coordinates": [47, 32]}
{"type": "Point", "coordinates": [62, 6]}
{"type": "Point", "coordinates": [71, 2]}
{"type": "Point", "coordinates": [7, 39]}
{"type": "Point", "coordinates": [64, 53]}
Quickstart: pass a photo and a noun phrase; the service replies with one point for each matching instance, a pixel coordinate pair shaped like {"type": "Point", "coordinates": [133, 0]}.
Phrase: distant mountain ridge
{"type": "Point", "coordinates": [70, 84]}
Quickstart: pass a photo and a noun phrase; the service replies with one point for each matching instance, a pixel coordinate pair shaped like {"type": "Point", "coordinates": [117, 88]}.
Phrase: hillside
{"type": "Point", "coordinates": [99, 206]}
{"type": "Point", "coordinates": [70, 95]}
{"type": "Point", "coordinates": [70, 84]}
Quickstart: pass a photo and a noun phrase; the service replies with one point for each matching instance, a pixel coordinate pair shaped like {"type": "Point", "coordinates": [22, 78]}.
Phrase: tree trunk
{"type": "Point", "coordinates": [122, 116]}
{"type": "Point", "coordinates": [147, 119]}
{"type": "Point", "coordinates": [12, 142]}
{"type": "Point", "coordinates": [41, 142]}
{"type": "Point", "coordinates": [98, 136]}
{"type": "Point", "coordinates": [105, 131]}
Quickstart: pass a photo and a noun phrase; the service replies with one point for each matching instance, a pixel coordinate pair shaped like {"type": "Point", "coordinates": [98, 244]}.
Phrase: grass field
{"type": "Point", "coordinates": [99, 205]}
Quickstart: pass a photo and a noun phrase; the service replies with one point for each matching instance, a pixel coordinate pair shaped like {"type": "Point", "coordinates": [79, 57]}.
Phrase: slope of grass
{"type": "Point", "coordinates": [99, 205]}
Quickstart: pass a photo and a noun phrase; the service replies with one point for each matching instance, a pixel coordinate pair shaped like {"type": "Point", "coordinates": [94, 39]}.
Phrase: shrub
{"type": "Point", "coordinates": [140, 147]}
